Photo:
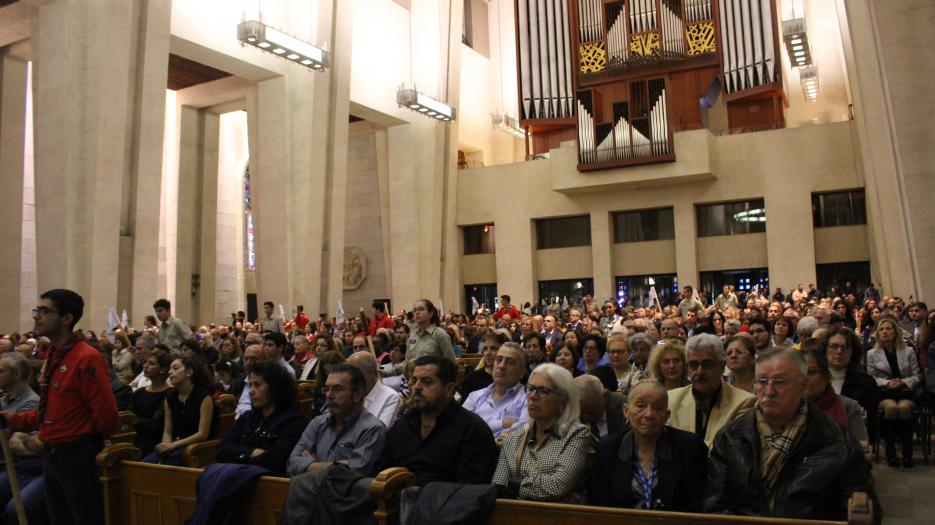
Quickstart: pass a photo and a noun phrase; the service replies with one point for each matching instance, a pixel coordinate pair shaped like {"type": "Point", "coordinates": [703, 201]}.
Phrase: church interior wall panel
{"type": "Point", "coordinates": [563, 263]}
{"type": "Point", "coordinates": [479, 268]}
{"type": "Point", "coordinates": [726, 252]}
{"type": "Point", "coordinates": [644, 258]}
{"type": "Point", "coordinates": [841, 244]}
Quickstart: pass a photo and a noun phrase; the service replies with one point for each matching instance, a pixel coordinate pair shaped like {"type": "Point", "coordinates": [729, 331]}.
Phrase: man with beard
{"type": "Point", "coordinates": [345, 433]}
{"type": "Point", "coordinates": [439, 440]}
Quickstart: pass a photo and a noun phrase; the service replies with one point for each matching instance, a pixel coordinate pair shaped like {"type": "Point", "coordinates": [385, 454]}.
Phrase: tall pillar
{"type": "Point", "coordinates": [516, 259]}
{"type": "Point", "coordinates": [601, 256]}
{"type": "Point", "coordinates": [885, 45]}
{"type": "Point", "coordinates": [96, 144]}
{"type": "Point", "coordinates": [790, 248]}
{"type": "Point", "coordinates": [191, 147]}
{"type": "Point", "coordinates": [13, 82]}
{"type": "Point", "coordinates": [686, 251]}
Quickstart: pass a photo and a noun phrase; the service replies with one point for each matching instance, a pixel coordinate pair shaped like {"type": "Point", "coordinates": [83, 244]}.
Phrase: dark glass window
{"type": "Point", "coordinates": [633, 290]}
{"type": "Point", "coordinates": [838, 275]}
{"type": "Point", "coordinates": [572, 289]}
{"type": "Point", "coordinates": [731, 218]}
{"type": "Point", "coordinates": [841, 208]}
{"type": "Point", "coordinates": [564, 232]}
{"type": "Point", "coordinates": [479, 239]}
{"type": "Point", "coordinates": [711, 283]}
{"type": "Point", "coordinates": [644, 225]}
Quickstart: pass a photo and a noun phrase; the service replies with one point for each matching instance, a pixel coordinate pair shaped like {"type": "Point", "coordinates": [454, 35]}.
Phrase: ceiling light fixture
{"type": "Point", "coordinates": [796, 38]}
{"type": "Point", "coordinates": [508, 124]}
{"type": "Point", "coordinates": [412, 99]}
{"type": "Point", "coordinates": [258, 34]}
{"type": "Point", "coordinates": [808, 75]}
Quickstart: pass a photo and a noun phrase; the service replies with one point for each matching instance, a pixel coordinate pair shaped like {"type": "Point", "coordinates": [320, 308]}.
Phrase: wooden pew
{"type": "Point", "coordinates": [226, 405]}
{"type": "Point", "coordinates": [126, 428]}
{"type": "Point", "coordinates": [306, 400]}
{"type": "Point", "coordinates": [514, 512]}
{"type": "Point", "coordinates": [141, 493]}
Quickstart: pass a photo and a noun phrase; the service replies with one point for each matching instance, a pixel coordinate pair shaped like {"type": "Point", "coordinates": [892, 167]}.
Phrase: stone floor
{"type": "Point", "coordinates": [907, 495]}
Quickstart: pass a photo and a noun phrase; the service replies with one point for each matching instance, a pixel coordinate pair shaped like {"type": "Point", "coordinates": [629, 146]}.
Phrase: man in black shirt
{"type": "Point", "coordinates": [438, 440]}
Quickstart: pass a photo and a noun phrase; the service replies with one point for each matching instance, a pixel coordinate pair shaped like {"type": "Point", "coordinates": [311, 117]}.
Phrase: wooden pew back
{"type": "Point", "coordinates": [147, 494]}
{"type": "Point", "coordinates": [126, 429]}
{"type": "Point", "coordinates": [513, 512]}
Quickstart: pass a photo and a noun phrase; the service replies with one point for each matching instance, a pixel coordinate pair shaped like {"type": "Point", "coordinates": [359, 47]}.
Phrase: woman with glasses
{"type": "Point", "coordinates": [818, 390]}
{"type": "Point", "coordinates": [567, 358]}
{"type": "Point", "coordinates": [667, 364]}
{"type": "Point", "coordinates": [618, 350]}
{"type": "Point", "coordinates": [593, 353]}
{"type": "Point", "coordinates": [548, 459]}
{"type": "Point", "coordinates": [741, 363]}
{"type": "Point", "coordinates": [266, 434]}
{"type": "Point", "coordinates": [845, 354]}
{"type": "Point", "coordinates": [651, 465]}
{"type": "Point", "coordinates": [894, 367]}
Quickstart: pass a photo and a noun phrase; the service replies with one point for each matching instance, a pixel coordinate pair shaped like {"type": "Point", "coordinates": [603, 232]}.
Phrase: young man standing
{"type": "Point", "coordinates": [77, 410]}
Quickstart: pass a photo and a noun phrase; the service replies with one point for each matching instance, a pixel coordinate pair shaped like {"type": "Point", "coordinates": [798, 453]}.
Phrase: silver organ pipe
{"type": "Point", "coordinates": [748, 46]}
{"type": "Point", "coordinates": [605, 142]}
{"type": "Point", "coordinates": [618, 44]}
{"type": "Point", "coordinates": [586, 153]}
{"type": "Point", "coordinates": [672, 27]}
{"type": "Point", "coordinates": [544, 111]}
{"type": "Point", "coordinates": [525, 73]}
{"type": "Point", "coordinates": [698, 10]}
{"type": "Point", "coordinates": [590, 21]}
{"type": "Point", "coordinates": [545, 59]}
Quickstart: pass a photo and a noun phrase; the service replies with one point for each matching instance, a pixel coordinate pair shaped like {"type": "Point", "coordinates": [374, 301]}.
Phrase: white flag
{"type": "Point", "coordinates": [654, 297]}
{"type": "Point", "coordinates": [441, 310]}
{"type": "Point", "coordinates": [113, 321]}
{"type": "Point", "coordinates": [282, 313]}
{"type": "Point", "coordinates": [695, 295]}
{"type": "Point", "coordinates": [496, 304]}
{"type": "Point", "coordinates": [339, 315]}
{"type": "Point", "coordinates": [475, 306]}
{"type": "Point", "coordinates": [124, 320]}
{"type": "Point", "coordinates": [565, 303]}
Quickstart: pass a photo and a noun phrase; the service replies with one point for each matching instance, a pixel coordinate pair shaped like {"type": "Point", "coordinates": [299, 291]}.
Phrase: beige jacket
{"type": "Point", "coordinates": [734, 403]}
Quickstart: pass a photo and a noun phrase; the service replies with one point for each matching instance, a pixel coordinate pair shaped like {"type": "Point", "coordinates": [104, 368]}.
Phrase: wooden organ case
{"type": "Point", "coordinates": [621, 76]}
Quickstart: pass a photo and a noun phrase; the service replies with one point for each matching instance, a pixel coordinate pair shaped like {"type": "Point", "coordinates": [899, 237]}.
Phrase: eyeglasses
{"type": "Point", "coordinates": [836, 346]}
{"type": "Point", "coordinates": [736, 351]}
{"type": "Point", "coordinates": [757, 331]}
{"type": "Point", "coordinates": [337, 389]}
{"type": "Point", "coordinates": [420, 309]}
{"type": "Point", "coordinates": [539, 391]}
{"type": "Point", "coordinates": [43, 311]}
{"type": "Point", "coordinates": [777, 382]}
{"type": "Point", "coordinates": [616, 352]}
{"type": "Point", "coordinates": [707, 364]}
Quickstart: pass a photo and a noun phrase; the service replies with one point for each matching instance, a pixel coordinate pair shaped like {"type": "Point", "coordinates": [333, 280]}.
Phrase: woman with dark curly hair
{"type": "Point", "coordinates": [266, 434]}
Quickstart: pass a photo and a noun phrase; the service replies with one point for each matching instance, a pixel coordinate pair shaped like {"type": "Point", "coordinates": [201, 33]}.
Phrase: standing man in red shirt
{"type": "Point", "coordinates": [301, 320]}
{"type": "Point", "coordinates": [506, 308]}
{"type": "Point", "coordinates": [380, 319]}
{"type": "Point", "coordinates": [76, 412]}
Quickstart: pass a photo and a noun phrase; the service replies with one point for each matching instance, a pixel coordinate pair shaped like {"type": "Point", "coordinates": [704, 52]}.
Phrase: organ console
{"type": "Point", "coordinates": [621, 76]}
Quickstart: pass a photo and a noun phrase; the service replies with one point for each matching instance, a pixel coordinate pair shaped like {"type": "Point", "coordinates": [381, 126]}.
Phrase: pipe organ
{"type": "Point", "coordinates": [621, 76]}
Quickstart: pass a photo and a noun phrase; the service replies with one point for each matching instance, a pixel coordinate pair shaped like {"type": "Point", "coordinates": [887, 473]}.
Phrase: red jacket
{"type": "Point", "coordinates": [514, 313]}
{"type": "Point", "coordinates": [80, 401]}
{"type": "Point", "coordinates": [375, 324]}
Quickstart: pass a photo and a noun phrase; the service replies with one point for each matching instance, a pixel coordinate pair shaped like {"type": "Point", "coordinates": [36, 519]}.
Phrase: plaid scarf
{"type": "Point", "coordinates": [777, 445]}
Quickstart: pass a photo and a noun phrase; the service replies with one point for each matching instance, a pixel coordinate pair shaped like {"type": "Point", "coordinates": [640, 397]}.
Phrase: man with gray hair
{"type": "Point", "coordinates": [806, 327]}
{"type": "Point", "coordinates": [141, 348]}
{"type": "Point", "coordinates": [380, 400]}
{"type": "Point", "coordinates": [19, 397]}
{"type": "Point", "coordinates": [708, 403]}
{"type": "Point", "coordinates": [786, 458]}
{"type": "Point", "coordinates": [600, 409]}
{"type": "Point", "coordinates": [502, 405]}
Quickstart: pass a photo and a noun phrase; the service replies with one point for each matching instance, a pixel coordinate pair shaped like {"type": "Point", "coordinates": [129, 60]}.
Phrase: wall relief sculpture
{"type": "Point", "coordinates": [355, 267]}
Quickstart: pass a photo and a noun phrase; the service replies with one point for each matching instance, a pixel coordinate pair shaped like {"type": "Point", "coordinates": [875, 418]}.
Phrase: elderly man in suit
{"type": "Point", "coordinates": [705, 406]}
{"type": "Point", "coordinates": [600, 409]}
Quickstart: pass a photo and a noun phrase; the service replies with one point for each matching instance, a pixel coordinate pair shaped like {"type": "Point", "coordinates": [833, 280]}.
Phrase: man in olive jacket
{"type": "Point", "coordinates": [786, 458]}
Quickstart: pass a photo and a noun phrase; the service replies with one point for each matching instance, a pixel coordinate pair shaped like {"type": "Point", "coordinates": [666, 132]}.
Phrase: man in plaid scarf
{"type": "Point", "coordinates": [786, 458]}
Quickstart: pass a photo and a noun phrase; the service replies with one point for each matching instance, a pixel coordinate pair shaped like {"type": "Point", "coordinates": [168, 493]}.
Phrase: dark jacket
{"type": "Point", "coordinates": [441, 503]}
{"type": "Point", "coordinates": [863, 389]}
{"type": "Point", "coordinates": [681, 467]}
{"type": "Point", "coordinates": [333, 496]}
{"type": "Point", "coordinates": [277, 435]}
{"type": "Point", "coordinates": [824, 469]}
{"type": "Point", "coordinates": [220, 490]}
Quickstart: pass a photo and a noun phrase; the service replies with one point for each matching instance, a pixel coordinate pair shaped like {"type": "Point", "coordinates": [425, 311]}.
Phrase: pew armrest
{"type": "Point", "coordinates": [859, 509]}
{"type": "Point", "coordinates": [126, 428]}
{"type": "Point", "coordinates": [110, 457]}
{"type": "Point", "coordinates": [202, 454]}
{"type": "Point", "coordinates": [385, 490]}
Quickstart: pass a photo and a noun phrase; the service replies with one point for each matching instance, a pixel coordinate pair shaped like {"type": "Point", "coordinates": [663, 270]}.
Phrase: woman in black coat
{"type": "Point", "coordinates": [652, 466]}
{"type": "Point", "coordinates": [266, 435]}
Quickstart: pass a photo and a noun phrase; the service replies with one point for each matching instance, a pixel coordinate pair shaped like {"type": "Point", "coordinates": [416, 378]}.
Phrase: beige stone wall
{"type": "Point", "coordinates": [644, 258]}
{"type": "Point", "coordinates": [784, 166]}
{"type": "Point", "coordinates": [841, 244]}
{"type": "Point", "coordinates": [363, 226]}
{"type": "Point", "coordinates": [480, 268]}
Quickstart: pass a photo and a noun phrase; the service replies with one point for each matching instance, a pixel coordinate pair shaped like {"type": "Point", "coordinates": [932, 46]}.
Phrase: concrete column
{"type": "Point", "coordinates": [885, 45]}
{"type": "Point", "coordinates": [516, 259]}
{"type": "Point", "coordinates": [208, 231]}
{"type": "Point", "coordinates": [94, 141]}
{"type": "Point", "coordinates": [13, 82]}
{"type": "Point", "coordinates": [191, 146]}
{"type": "Point", "coordinates": [791, 257]}
{"type": "Point", "coordinates": [601, 256]}
{"type": "Point", "coordinates": [144, 219]}
{"type": "Point", "coordinates": [686, 252]}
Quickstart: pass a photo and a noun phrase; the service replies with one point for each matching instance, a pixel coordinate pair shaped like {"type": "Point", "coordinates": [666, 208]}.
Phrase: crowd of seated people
{"type": "Point", "coordinates": [703, 406]}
